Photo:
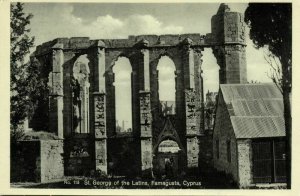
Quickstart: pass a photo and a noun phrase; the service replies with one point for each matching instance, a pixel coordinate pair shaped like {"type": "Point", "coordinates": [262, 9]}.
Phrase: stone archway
{"type": "Point", "coordinates": [80, 94]}
{"type": "Point", "coordinates": [167, 159]}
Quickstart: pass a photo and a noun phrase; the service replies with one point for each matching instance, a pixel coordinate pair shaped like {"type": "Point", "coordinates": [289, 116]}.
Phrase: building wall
{"type": "Point", "coordinates": [244, 163]}
{"type": "Point", "coordinates": [37, 161]}
{"type": "Point", "coordinates": [240, 166]}
{"type": "Point", "coordinates": [79, 156]}
{"type": "Point", "coordinates": [205, 152]}
{"type": "Point", "coordinates": [52, 166]}
{"type": "Point", "coordinates": [223, 132]}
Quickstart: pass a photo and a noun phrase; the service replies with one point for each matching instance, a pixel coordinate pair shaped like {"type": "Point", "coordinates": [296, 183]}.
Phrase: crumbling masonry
{"type": "Point", "coordinates": [82, 96]}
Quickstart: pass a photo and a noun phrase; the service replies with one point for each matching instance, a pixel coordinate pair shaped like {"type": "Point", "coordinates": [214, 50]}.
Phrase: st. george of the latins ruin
{"type": "Point", "coordinates": [82, 109]}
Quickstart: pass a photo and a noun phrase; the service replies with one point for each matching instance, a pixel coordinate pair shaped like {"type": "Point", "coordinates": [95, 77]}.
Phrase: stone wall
{"type": "Point", "coordinates": [146, 157]}
{"type": "Point", "coordinates": [37, 161]}
{"type": "Point", "coordinates": [69, 60]}
{"type": "Point", "coordinates": [244, 163]}
{"type": "Point", "coordinates": [228, 33]}
{"type": "Point", "coordinates": [205, 152]}
{"type": "Point", "coordinates": [223, 132]}
{"type": "Point", "coordinates": [240, 166]}
{"type": "Point", "coordinates": [51, 158]}
{"type": "Point", "coordinates": [79, 156]}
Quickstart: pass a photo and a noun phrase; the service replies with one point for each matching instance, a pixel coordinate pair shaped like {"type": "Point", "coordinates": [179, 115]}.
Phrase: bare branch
{"type": "Point", "coordinates": [275, 69]}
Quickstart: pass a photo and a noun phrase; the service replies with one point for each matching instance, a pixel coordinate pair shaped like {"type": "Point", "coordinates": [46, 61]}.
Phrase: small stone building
{"type": "Point", "coordinates": [37, 157]}
{"type": "Point", "coordinates": [249, 134]}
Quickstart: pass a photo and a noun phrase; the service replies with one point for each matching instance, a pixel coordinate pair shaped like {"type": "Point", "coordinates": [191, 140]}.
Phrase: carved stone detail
{"type": "Point", "coordinates": [145, 114]}
{"type": "Point", "coordinates": [100, 119]}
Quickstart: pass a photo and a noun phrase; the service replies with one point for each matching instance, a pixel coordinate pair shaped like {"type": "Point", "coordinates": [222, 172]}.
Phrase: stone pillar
{"type": "Point", "coordinates": [100, 132]}
{"type": "Point", "coordinates": [145, 110]}
{"type": "Point", "coordinates": [56, 91]}
{"type": "Point", "coordinates": [199, 89]}
{"type": "Point", "coordinates": [228, 36]}
{"type": "Point", "coordinates": [244, 163]}
{"type": "Point", "coordinates": [192, 103]}
{"type": "Point", "coordinates": [97, 64]}
{"type": "Point", "coordinates": [188, 63]}
{"type": "Point", "coordinates": [146, 133]}
{"type": "Point", "coordinates": [99, 76]}
{"type": "Point", "coordinates": [192, 131]}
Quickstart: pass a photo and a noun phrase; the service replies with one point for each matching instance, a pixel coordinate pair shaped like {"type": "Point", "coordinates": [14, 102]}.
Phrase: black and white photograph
{"type": "Point", "coordinates": [150, 95]}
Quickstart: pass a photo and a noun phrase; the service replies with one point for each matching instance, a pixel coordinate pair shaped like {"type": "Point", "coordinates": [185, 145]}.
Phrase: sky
{"type": "Point", "coordinates": [119, 20]}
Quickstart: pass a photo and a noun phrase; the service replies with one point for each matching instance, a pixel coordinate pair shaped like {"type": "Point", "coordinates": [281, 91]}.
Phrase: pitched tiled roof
{"type": "Point", "coordinates": [256, 110]}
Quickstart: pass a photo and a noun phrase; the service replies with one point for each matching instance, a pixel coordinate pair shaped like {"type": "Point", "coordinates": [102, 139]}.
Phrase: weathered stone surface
{"type": "Point", "coordinates": [57, 59]}
{"type": "Point", "coordinates": [38, 160]}
{"type": "Point", "coordinates": [78, 159]}
{"type": "Point", "coordinates": [56, 84]}
{"type": "Point", "coordinates": [191, 113]}
{"type": "Point", "coordinates": [146, 156]}
{"type": "Point", "coordinates": [100, 117]}
{"type": "Point", "coordinates": [192, 147]}
{"type": "Point", "coordinates": [52, 165]}
{"type": "Point", "coordinates": [223, 132]}
{"type": "Point", "coordinates": [101, 155]}
{"type": "Point", "coordinates": [146, 116]}
{"type": "Point", "coordinates": [228, 33]}
{"type": "Point", "coordinates": [244, 163]}
{"type": "Point", "coordinates": [56, 116]}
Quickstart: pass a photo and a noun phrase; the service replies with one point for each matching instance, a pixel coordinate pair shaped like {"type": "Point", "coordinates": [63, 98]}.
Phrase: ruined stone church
{"type": "Point", "coordinates": [82, 108]}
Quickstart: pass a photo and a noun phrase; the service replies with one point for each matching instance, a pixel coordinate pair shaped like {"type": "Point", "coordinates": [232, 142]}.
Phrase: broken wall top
{"type": "Point", "coordinates": [227, 28]}
{"type": "Point", "coordinates": [132, 41]}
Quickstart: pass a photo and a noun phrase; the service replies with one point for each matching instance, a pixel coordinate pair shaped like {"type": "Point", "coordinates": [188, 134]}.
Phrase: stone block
{"type": "Point", "coordinates": [101, 155]}
{"type": "Point", "coordinates": [145, 115]}
{"type": "Point", "coordinates": [192, 152]}
{"type": "Point", "coordinates": [244, 163]}
{"type": "Point", "coordinates": [57, 60]}
{"type": "Point", "coordinates": [100, 115]}
{"type": "Point", "coordinates": [38, 161]}
{"type": "Point", "coordinates": [57, 84]}
{"type": "Point", "coordinates": [79, 42]}
{"type": "Point", "coordinates": [146, 156]}
{"type": "Point", "coordinates": [52, 164]}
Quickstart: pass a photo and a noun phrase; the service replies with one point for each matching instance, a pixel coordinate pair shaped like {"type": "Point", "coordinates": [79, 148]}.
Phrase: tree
{"type": "Point", "coordinates": [38, 93]}
{"type": "Point", "coordinates": [21, 43]}
{"type": "Point", "coordinates": [271, 27]}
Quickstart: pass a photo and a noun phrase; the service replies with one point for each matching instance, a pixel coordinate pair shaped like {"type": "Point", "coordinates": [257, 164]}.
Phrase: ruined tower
{"type": "Point", "coordinates": [229, 44]}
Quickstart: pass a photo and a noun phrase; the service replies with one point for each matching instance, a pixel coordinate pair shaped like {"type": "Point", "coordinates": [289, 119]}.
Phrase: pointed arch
{"type": "Point", "coordinates": [166, 70]}
{"type": "Point", "coordinates": [123, 94]}
{"type": "Point", "coordinates": [168, 132]}
{"type": "Point", "coordinates": [80, 94]}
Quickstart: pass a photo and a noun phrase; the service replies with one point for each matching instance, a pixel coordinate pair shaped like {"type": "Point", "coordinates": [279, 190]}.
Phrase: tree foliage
{"type": "Point", "coordinates": [21, 43]}
{"type": "Point", "coordinates": [38, 93]}
{"type": "Point", "coordinates": [29, 88]}
{"type": "Point", "coordinates": [271, 26]}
